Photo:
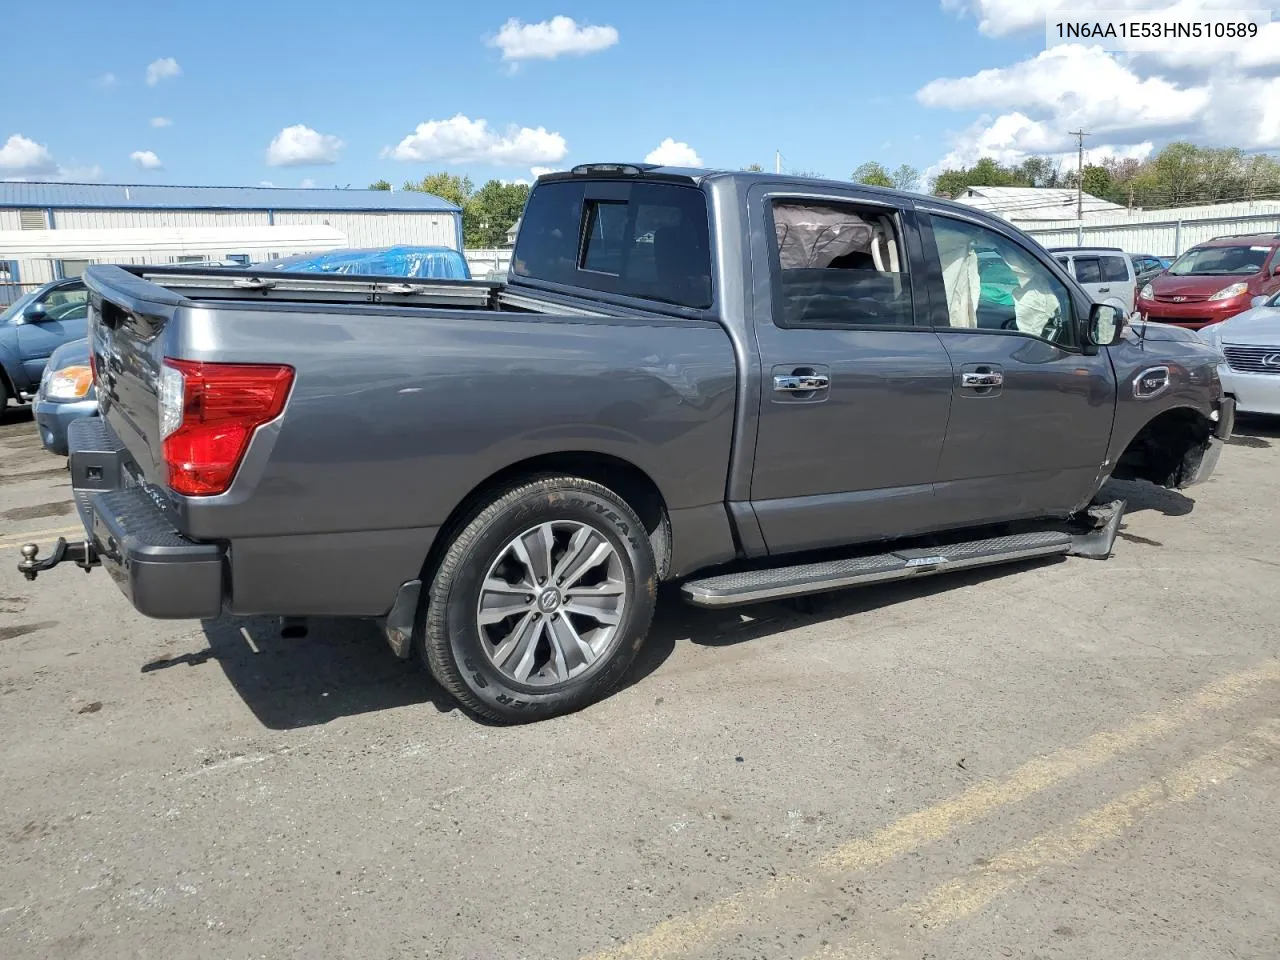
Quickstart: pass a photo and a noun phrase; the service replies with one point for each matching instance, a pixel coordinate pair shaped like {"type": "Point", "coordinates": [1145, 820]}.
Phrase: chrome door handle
{"type": "Point", "coordinates": [801, 383]}
{"type": "Point", "coordinates": [976, 381]}
{"type": "Point", "coordinates": [1104, 289]}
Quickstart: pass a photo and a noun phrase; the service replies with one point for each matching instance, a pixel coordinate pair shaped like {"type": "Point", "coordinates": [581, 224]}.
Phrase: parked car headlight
{"type": "Point", "coordinates": [1212, 335]}
{"type": "Point", "coordinates": [1226, 293]}
{"type": "Point", "coordinates": [1147, 293]}
{"type": "Point", "coordinates": [69, 383]}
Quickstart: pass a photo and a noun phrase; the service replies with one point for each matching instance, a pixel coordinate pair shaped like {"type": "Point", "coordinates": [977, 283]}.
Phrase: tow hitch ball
{"type": "Point", "coordinates": [81, 553]}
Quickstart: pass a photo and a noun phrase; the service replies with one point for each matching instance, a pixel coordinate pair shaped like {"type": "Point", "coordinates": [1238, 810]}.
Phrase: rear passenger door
{"type": "Point", "coordinates": [854, 392]}
{"type": "Point", "coordinates": [1032, 411]}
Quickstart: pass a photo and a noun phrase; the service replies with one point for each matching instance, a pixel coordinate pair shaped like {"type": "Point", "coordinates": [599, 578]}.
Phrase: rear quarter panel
{"type": "Point", "coordinates": [396, 416]}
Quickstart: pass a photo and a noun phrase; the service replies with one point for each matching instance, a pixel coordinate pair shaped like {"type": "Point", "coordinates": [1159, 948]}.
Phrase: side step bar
{"type": "Point", "coordinates": [754, 586]}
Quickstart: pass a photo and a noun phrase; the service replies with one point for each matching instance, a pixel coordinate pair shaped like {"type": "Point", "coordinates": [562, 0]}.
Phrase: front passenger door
{"type": "Point", "coordinates": [1032, 412]}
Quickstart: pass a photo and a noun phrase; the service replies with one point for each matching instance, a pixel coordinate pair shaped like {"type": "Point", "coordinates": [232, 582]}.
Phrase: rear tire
{"type": "Point", "coordinates": [542, 601]}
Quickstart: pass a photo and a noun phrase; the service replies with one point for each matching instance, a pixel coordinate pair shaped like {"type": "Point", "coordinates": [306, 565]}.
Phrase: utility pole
{"type": "Point", "coordinates": [777, 161]}
{"type": "Point", "coordinates": [1080, 135]}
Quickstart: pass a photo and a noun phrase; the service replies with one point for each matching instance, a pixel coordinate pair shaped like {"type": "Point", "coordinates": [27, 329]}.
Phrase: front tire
{"type": "Point", "coordinates": [541, 602]}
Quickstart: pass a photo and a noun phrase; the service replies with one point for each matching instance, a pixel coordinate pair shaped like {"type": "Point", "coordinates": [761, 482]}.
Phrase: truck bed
{"type": "Point", "coordinates": [404, 402]}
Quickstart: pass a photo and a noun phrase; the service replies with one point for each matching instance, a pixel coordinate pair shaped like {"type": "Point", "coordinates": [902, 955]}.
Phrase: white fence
{"type": "Point", "coordinates": [487, 263]}
{"type": "Point", "coordinates": [1165, 233]}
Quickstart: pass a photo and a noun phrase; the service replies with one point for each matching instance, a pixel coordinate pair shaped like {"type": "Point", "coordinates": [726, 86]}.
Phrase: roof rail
{"type": "Point", "coordinates": [1085, 247]}
{"type": "Point", "coordinates": [1255, 233]}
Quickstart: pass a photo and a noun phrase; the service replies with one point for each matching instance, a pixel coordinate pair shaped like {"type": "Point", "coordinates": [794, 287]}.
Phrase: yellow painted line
{"type": "Point", "coordinates": [27, 536]}
{"type": "Point", "coordinates": [965, 896]}
{"type": "Point", "coordinates": [684, 934]}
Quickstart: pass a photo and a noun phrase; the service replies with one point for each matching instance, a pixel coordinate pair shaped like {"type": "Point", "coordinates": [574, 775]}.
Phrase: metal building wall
{"type": "Point", "coordinates": [382, 229]}
{"type": "Point", "coordinates": [107, 219]}
{"type": "Point", "coordinates": [1165, 233]}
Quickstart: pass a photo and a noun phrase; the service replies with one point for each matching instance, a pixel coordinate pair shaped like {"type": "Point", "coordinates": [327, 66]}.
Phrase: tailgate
{"type": "Point", "coordinates": [130, 321]}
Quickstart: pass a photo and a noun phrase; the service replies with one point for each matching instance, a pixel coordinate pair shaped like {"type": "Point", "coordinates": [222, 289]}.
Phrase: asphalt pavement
{"type": "Point", "coordinates": [1066, 759]}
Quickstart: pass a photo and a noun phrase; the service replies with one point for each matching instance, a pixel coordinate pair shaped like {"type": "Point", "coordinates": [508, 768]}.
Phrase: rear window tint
{"type": "Point", "coordinates": [636, 239]}
{"type": "Point", "coordinates": [1114, 270]}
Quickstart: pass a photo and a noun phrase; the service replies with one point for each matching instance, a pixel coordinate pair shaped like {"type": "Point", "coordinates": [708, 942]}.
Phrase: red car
{"type": "Point", "coordinates": [1213, 281]}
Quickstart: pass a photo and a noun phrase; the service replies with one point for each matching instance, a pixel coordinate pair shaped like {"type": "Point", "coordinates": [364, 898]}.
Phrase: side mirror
{"type": "Point", "coordinates": [36, 313]}
{"type": "Point", "coordinates": [1106, 325]}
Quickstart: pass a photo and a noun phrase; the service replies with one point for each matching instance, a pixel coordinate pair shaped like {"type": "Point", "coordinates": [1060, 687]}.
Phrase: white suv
{"type": "Point", "coordinates": [1106, 273]}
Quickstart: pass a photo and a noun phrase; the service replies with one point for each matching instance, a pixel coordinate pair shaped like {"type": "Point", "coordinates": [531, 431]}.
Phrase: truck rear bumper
{"type": "Point", "coordinates": [129, 532]}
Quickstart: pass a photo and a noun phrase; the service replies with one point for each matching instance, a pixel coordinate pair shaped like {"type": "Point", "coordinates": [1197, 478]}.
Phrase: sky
{"type": "Point", "coordinates": [325, 93]}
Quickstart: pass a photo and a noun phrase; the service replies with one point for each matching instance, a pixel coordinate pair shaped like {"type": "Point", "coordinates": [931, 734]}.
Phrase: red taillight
{"type": "Point", "coordinates": [208, 413]}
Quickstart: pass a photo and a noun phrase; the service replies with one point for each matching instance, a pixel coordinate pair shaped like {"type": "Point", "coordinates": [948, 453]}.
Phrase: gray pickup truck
{"type": "Point", "coordinates": [760, 386]}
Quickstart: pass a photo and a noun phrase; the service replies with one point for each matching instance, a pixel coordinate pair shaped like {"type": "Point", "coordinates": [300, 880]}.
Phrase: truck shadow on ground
{"type": "Point", "coordinates": [1254, 431]}
{"type": "Point", "coordinates": [344, 667]}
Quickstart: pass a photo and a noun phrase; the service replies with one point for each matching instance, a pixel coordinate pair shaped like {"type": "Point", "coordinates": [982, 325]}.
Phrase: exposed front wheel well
{"type": "Point", "coordinates": [625, 479]}
{"type": "Point", "coordinates": [1167, 450]}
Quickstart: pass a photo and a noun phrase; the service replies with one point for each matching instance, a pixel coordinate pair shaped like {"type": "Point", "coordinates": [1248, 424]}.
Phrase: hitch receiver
{"type": "Point", "coordinates": [81, 553]}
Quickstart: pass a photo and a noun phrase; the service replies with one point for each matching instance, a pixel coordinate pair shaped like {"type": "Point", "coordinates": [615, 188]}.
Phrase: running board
{"type": "Point", "coordinates": [754, 586]}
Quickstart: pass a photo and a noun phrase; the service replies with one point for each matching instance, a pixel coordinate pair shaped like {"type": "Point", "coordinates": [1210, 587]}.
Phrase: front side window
{"type": "Point", "coordinates": [68, 304]}
{"type": "Point", "coordinates": [992, 283]}
{"type": "Point", "coordinates": [839, 264]}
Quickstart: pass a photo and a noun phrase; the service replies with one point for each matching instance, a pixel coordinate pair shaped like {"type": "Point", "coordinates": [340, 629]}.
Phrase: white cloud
{"type": "Point", "coordinates": [106, 81]}
{"type": "Point", "coordinates": [307, 183]}
{"type": "Point", "coordinates": [23, 156]}
{"type": "Point", "coordinates": [146, 159]}
{"type": "Point", "coordinates": [1013, 137]}
{"type": "Point", "coordinates": [161, 122]}
{"type": "Point", "coordinates": [540, 171]}
{"type": "Point", "coordinates": [265, 183]}
{"type": "Point", "coordinates": [1000, 18]}
{"type": "Point", "coordinates": [559, 36]}
{"type": "Point", "coordinates": [462, 140]}
{"type": "Point", "coordinates": [1038, 101]}
{"type": "Point", "coordinates": [162, 69]}
{"type": "Point", "coordinates": [674, 153]}
{"type": "Point", "coordinates": [1076, 85]}
{"type": "Point", "coordinates": [299, 145]}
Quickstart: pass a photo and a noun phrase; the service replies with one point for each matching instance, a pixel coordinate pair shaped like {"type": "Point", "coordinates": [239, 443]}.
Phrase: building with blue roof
{"type": "Point", "coordinates": [108, 222]}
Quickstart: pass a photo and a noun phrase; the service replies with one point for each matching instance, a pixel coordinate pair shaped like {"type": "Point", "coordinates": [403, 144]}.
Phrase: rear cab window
{"type": "Point", "coordinates": [629, 238]}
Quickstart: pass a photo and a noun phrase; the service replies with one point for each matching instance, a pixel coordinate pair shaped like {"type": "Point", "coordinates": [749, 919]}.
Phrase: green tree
{"type": "Point", "coordinates": [379, 185]}
{"type": "Point", "coordinates": [447, 186]}
{"type": "Point", "coordinates": [906, 177]}
{"type": "Point", "coordinates": [492, 211]}
{"type": "Point", "coordinates": [806, 174]}
{"type": "Point", "coordinates": [753, 168]}
{"type": "Point", "coordinates": [872, 174]}
{"type": "Point", "coordinates": [1097, 181]}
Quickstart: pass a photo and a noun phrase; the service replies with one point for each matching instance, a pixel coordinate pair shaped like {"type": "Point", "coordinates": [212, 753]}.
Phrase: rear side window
{"type": "Point", "coordinates": [1113, 269]}
{"type": "Point", "coordinates": [1088, 270]}
{"type": "Point", "coordinates": [635, 239]}
{"type": "Point", "coordinates": [838, 265]}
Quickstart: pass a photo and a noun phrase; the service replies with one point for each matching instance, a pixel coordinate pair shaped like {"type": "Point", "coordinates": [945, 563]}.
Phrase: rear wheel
{"type": "Point", "coordinates": [542, 601]}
